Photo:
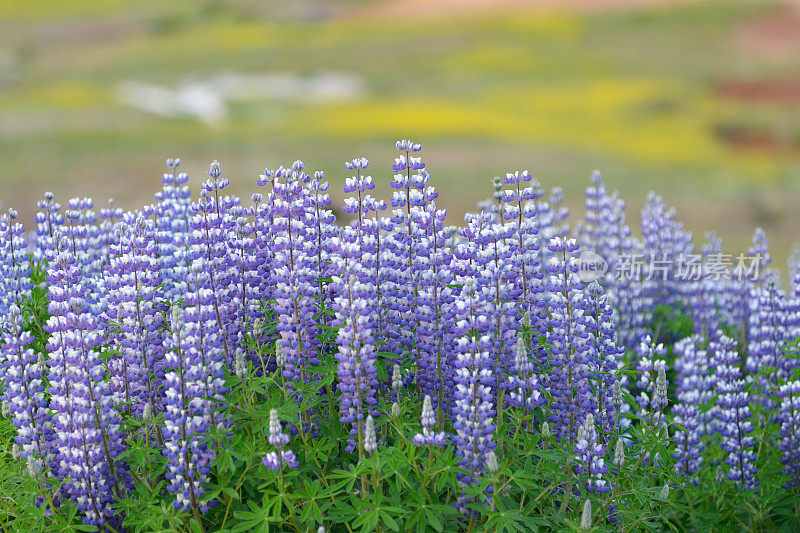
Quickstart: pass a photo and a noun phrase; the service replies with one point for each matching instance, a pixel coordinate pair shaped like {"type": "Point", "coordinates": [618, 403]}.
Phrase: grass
{"type": "Point", "coordinates": [558, 93]}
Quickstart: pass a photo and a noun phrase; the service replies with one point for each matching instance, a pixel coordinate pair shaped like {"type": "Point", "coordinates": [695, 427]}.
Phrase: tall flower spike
{"type": "Point", "coordinates": [211, 225]}
{"type": "Point", "coordinates": [605, 358]}
{"type": "Point", "coordinates": [733, 415]}
{"type": "Point", "coordinates": [524, 387]}
{"type": "Point", "coordinates": [172, 215]}
{"type": "Point", "coordinates": [789, 420]}
{"type": "Point", "coordinates": [474, 408]}
{"type": "Point", "coordinates": [571, 395]}
{"type": "Point", "coordinates": [293, 275]}
{"type": "Point", "coordinates": [590, 453]}
{"type": "Point", "coordinates": [357, 370]}
{"type": "Point", "coordinates": [649, 359]}
{"type": "Point", "coordinates": [520, 206]}
{"type": "Point", "coordinates": [24, 390]}
{"type": "Point", "coordinates": [15, 284]}
{"type": "Point", "coordinates": [186, 419]}
{"type": "Point", "coordinates": [695, 391]}
{"type": "Point", "coordinates": [134, 283]}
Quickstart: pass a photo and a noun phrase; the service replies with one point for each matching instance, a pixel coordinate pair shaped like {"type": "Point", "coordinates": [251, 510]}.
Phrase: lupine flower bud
{"type": "Point", "coordinates": [619, 453]}
{"type": "Point", "coordinates": [147, 413]}
{"type": "Point", "coordinates": [280, 357]}
{"type": "Point", "coordinates": [370, 439]}
{"type": "Point", "coordinates": [617, 397]}
{"type": "Point", "coordinates": [428, 418]}
{"type": "Point", "coordinates": [34, 467]}
{"type": "Point", "coordinates": [719, 475]}
{"type": "Point", "coordinates": [277, 437]}
{"type": "Point", "coordinates": [660, 396]}
{"type": "Point", "coordinates": [546, 430]}
{"type": "Point", "coordinates": [586, 515]}
{"type": "Point", "coordinates": [6, 410]}
{"type": "Point", "coordinates": [395, 410]}
{"type": "Point", "coordinates": [214, 169]}
{"type": "Point", "coordinates": [16, 451]}
{"type": "Point", "coordinates": [521, 357]}
{"type": "Point", "coordinates": [491, 463]}
{"type": "Point", "coordinates": [321, 529]}
{"type": "Point", "coordinates": [397, 378]}
{"type": "Point", "coordinates": [240, 366]}
{"type": "Point", "coordinates": [663, 495]}
{"type": "Point", "coordinates": [526, 320]}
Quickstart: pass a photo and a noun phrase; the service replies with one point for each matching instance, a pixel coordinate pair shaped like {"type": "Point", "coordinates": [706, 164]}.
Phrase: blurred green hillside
{"type": "Point", "coordinates": [698, 102]}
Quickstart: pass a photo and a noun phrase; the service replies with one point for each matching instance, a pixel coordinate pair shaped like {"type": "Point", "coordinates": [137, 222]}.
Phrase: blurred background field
{"type": "Point", "coordinates": [696, 100]}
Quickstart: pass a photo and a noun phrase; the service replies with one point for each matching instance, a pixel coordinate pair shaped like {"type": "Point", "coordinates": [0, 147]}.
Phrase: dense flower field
{"type": "Point", "coordinates": [251, 365]}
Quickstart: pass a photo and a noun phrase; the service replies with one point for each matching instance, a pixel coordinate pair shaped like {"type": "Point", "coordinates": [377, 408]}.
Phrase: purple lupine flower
{"type": "Point", "coordinates": [605, 359]}
{"type": "Point", "coordinates": [109, 218]}
{"type": "Point", "coordinates": [589, 454]}
{"type": "Point", "coordinates": [293, 275]}
{"type": "Point", "coordinates": [24, 389]}
{"type": "Point", "coordinates": [364, 235]}
{"type": "Point", "coordinates": [280, 457]}
{"type": "Point", "coordinates": [474, 409]}
{"type": "Point", "coordinates": [494, 263]}
{"type": "Point", "coordinates": [768, 335]}
{"type": "Point", "coordinates": [134, 283]}
{"type": "Point", "coordinates": [187, 411]}
{"type": "Point", "coordinates": [748, 277]}
{"type": "Point", "coordinates": [211, 225]}
{"type": "Point", "coordinates": [761, 271]}
{"type": "Point", "coordinates": [599, 230]}
{"type": "Point", "coordinates": [693, 412]}
{"type": "Point", "coordinates": [666, 246]}
{"type": "Point", "coordinates": [48, 219]}
{"type": "Point", "coordinates": [688, 443]}
{"type": "Point", "coordinates": [569, 341]}
{"type": "Point", "coordinates": [524, 387]}
{"type": "Point", "coordinates": [520, 206]}
{"type": "Point", "coordinates": [428, 437]}
{"type": "Point", "coordinates": [357, 371]}
{"type": "Point", "coordinates": [733, 414]}
{"type": "Point", "coordinates": [695, 382]}
{"type": "Point", "coordinates": [173, 214]}
{"type": "Point", "coordinates": [89, 440]}
{"type": "Point", "coordinates": [650, 359]}
{"type": "Point", "coordinates": [408, 183]}
{"type": "Point", "coordinates": [789, 419]}
{"type": "Point", "coordinates": [324, 231]}
{"type": "Point", "coordinates": [708, 300]}
{"type": "Point", "coordinates": [433, 310]}
{"type": "Point", "coordinates": [244, 292]}
{"type": "Point", "coordinates": [606, 232]}
{"type": "Point", "coordinates": [15, 283]}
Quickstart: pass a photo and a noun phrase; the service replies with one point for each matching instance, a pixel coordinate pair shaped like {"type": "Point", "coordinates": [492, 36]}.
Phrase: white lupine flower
{"type": "Point", "coordinates": [619, 453]}
{"type": "Point", "coordinates": [491, 463]}
{"type": "Point", "coordinates": [370, 439]}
